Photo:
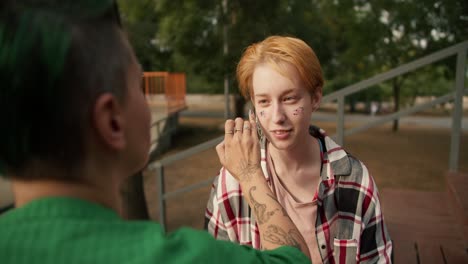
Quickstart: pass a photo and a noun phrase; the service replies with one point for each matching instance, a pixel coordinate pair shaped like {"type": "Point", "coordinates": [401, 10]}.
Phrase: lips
{"type": "Point", "coordinates": [281, 134]}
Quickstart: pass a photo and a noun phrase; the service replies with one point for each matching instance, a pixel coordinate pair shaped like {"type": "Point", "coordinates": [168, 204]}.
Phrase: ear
{"type": "Point", "coordinates": [109, 122]}
{"type": "Point", "coordinates": [316, 99]}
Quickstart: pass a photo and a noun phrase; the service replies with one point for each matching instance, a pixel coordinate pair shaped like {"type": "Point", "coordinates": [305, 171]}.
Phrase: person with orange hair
{"type": "Point", "coordinates": [328, 194]}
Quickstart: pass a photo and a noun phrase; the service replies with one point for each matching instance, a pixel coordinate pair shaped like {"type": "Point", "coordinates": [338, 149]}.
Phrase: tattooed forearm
{"type": "Point", "coordinates": [278, 236]}
{"type": "Point", "coordinates": [260, 210]}
{"type": "Point", "coordinates": [294, 237]}
{"type": "Point", "coordinates": [274, 199]}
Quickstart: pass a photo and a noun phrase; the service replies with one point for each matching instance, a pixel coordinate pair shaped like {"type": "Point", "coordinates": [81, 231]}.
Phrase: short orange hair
{"type": "Point", "coordinates": [279, 51]}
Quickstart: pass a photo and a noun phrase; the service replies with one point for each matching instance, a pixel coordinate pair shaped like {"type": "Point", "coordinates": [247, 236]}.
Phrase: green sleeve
{"type": "Point", "coordinates": [193, 246]}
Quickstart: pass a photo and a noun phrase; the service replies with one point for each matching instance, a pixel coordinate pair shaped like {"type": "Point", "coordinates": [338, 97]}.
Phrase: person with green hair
{"type": "Point", "coordinates": [75, 124]}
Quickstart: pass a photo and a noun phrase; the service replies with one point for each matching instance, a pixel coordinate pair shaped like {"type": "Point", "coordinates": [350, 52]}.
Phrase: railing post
{"type": "Point", "coordinates": [340, 121]}
{"type": "Point", "coordinates": [457, 110]}
{"type": "Point", "coordinates": [161, 200]}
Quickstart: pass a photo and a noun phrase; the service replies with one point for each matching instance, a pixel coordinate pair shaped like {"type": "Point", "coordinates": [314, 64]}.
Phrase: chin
{"type": "Point", "coordinates": [282, 145]}
{"type": "Point", "coordinates": [287, 145]}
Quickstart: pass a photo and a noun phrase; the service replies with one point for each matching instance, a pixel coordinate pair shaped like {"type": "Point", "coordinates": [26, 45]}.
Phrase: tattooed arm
{"type": "Point", "coordinates": [275, 226]}
{"type": "Point", "coordinates": [239, 153]}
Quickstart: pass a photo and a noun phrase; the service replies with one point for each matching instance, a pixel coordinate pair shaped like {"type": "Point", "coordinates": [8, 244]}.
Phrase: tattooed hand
{"type": "Point", "coordinates": [239, 153]}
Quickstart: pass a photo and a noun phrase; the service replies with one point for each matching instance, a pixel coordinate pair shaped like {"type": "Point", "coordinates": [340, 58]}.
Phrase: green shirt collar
{"type": "Point", "coordinates": [62, 207]}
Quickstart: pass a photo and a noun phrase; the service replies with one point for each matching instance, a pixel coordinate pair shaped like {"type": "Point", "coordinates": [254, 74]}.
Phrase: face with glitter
{"type": "Point", "coordinates": [283, 106]}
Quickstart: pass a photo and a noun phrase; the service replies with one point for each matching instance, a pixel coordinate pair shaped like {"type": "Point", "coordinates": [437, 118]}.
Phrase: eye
{"type": "Point", "coordinates": [290, 98]}
{"type": "Point", "coordinates": [262, 101]}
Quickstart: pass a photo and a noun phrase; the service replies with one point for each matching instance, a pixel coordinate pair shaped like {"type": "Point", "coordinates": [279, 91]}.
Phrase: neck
{"type": "Point", "coordinates": [95, 182]}
{"type": "Point", "coordinates": [297, 158]}
{"type": "Point", "coordinates": [298, 168]}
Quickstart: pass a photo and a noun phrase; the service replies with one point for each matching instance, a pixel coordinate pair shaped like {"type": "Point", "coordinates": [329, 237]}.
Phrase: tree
{"type": "Point", "coordinates": [187, 35]}
{"type": "Point", "coordinates": [354, 39]}
{"type": "Point", "coordinates": [141, 23]}
{"type": "Point", "coordinates": [396, 32]}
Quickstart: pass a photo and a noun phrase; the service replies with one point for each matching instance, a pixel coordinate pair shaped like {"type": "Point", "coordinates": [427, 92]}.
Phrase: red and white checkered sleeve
{"type": "Point", "coordinates": [375, 245]}
{"type": "Point", "coordinates": [214, 223]}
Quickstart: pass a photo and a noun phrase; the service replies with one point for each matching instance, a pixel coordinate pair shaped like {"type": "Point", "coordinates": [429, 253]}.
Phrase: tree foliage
{"type": "Point", "coordinates": [354, 39]}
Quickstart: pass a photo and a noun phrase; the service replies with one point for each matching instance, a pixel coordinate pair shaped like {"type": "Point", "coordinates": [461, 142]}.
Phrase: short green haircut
{"type": "Point", "coordinates": [56, 57]}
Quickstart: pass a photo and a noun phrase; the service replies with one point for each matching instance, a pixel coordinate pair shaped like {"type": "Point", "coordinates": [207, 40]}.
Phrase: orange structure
{"type": "Point", "coordinates": [165, 89]}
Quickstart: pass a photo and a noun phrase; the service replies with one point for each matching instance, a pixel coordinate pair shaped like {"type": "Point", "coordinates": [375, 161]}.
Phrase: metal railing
{"type": "Point", "coordinates": [159, 165]}
{"type": "Point", "coordinates": [159, 133]}
{"type": "Point", "coordinates": [460, 50]}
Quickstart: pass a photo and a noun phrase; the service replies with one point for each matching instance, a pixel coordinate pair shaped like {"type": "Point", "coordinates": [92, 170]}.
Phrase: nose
{"type": "Point", "coordinates": [278, 115]}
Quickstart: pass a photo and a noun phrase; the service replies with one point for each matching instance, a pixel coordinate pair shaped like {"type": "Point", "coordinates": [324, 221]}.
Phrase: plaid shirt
{"type": "Point", "coordinates": [349, 227]}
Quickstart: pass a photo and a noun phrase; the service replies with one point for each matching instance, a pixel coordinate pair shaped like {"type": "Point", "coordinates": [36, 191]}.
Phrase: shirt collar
{"type": "Point", "coordinates": [62, 207]}
{"type": "Point", "coordinates": [333, 153]}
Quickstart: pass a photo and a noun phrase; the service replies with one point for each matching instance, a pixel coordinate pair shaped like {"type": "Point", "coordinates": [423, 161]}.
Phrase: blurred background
{"type": "Point", "coordinates": [395, 91]}
{"type": "Point", "coordinates": [395, 97]}
{"type": "Point", "coordinates": [353, 39]}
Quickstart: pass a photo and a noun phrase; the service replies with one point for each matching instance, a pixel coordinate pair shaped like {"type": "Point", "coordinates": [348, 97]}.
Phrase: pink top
{"type": "Point", "coordinates": [303, 214]}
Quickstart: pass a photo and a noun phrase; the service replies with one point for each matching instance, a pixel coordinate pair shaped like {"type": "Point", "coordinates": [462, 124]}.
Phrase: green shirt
{"type": "Point", "coordinates": [68, 231]}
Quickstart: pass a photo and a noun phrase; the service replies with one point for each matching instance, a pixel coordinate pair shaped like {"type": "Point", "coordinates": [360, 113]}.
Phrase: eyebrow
{"type": "Point", "coordinates": [282, 94]}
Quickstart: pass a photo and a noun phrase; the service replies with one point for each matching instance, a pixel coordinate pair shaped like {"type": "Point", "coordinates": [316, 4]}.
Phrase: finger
{"type": "Point", "coordinates": [229, 129]}
{"type": "Point", "coordinates": [247, 129]}
{"type": "Point", "coordinates": [220, 152]}
{"type": "Point", "coordinates": [253, 124]}
{"type": "Point", "coordinates": [239, 126]}
{"type": "Point", "coordinates": [251, 115]}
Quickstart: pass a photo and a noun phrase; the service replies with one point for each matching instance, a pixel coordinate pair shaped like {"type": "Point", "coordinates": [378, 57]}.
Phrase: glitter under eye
{"type": "Point", "coordinates": [298, 111]}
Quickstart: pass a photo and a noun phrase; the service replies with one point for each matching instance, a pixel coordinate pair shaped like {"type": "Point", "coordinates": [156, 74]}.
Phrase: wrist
{"type": "Point", "coordinates": [255, 178]}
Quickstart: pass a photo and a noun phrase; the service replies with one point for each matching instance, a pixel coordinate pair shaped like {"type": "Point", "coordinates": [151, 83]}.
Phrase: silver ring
{"type": "Point", "coordinates": [247, 127]}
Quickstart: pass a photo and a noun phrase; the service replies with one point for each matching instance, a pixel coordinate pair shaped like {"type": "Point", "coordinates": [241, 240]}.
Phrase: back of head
{"type": "Point", "coordinates": [56, 57]}
{"type": "Point", "coordinates": [279, 51]}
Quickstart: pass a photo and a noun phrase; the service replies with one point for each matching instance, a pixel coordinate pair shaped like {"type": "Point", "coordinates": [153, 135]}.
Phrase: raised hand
{"type": "Point", "coordinates": [239, 153]}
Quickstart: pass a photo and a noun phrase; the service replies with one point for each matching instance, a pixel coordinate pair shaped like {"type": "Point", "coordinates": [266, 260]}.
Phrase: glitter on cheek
{"type": "Point", "coordinates": [262, 113]}
{"type": "Point", "coordinates": [298, 111]}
